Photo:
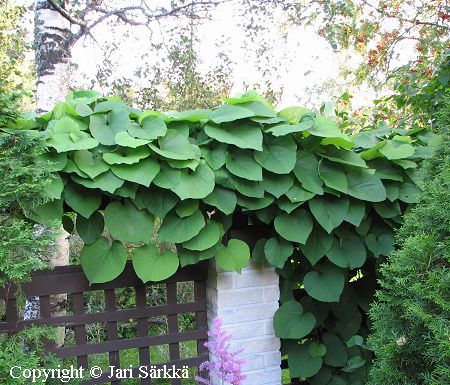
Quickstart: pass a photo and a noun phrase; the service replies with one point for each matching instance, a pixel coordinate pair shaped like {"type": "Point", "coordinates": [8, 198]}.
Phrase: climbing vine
{"type": "Point", "coordinates": [329, 201]}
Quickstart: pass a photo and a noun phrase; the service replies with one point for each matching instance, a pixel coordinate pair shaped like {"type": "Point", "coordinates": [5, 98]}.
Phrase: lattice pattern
{"type": "Point", "coordinates": [70, 280]}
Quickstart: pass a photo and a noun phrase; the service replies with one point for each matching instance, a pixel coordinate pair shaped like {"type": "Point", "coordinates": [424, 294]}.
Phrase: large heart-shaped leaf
{"type": "Point", "coordinates": [90, 229]}
{"type": "Point", "coordinates": [224, 199]}
{"type": "Point", "coordinates": [349, 252]}
{"type": "Point", "coordinates": [174, 145]}
{"type": "Point", "coordinates": [106, 182]}
{"type": "Point", "coordinates": [142, 173]}
{"type": "Point", "coordinates": [229, 113]}
{"type": "Point", "coordinates": [83, 201]}
{"type": "Point", "coordinates": [285, 129]}
{"type": "Point", "coordinates": [301, 363]}
{"type": "Point", "coordinates": [127, 155]}
{"type": "Point", "coordinates": [152, 127]}
{"type": "Point", "coordinates": [158, 201]}
{"type": "Point", "coordinates": [333, 176]}
{"type": "Point", "coordinates": [101, 263]}
{"type": "Point", "coordinates": [124, 139]}
{"type": "Point", "coordinates": [365, 186]}
{"type": "Point", "coordinates": [277, 251]}
{"type": "Point", "coordinates": [276, 184]}
{"type": "Point", "coordinates": [234, 256]}
{"type": "Point", "coordinates": [290, 321]}
{"type": "Point", "coordinates": [295, 226]}
{"type": "Point", "coordinates": [242, 164]}
{"type": "Point", "coordinates": [150, 265]}
{"type": "Point", "coordinates": [128, 224]}
{"type": "Point", "coordinates": [104, 127]}
{"type": "Point", "coordinates": [206, 238]}
{"type": "Point", "coordinates": [195, 184]}
{"type": "Point", "coordinates": [356, 211]}
{"type": "Point", "coordinates": [178, 230]}
{"type": "Point", "coordinates": [89, 163]}
{"type": "Point", "coordinates": [279, 156]}
{"type": "Point", "coordinates": [330, 212]}
{"type": "Point", "coordinates": [242, 135]}
{"type": "Point", "coordinates": [318, 243]}
{"type": "Point", "coordinates": [326, 284]}
{"type": "Point", "coordinates": [307, 172]}
{"type": "Point", "coordinates": [336, 355]}
{"type": "Point", "coordinates": [168, 177]}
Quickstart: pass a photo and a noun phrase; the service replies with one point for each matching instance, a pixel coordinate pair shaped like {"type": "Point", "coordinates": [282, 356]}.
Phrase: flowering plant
{"type": "Point", "coordinates": [225, 365]}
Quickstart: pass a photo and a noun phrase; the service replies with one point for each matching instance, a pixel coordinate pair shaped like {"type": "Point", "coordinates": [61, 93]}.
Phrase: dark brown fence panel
{"type": "Point", "coordinates": [71, 280]}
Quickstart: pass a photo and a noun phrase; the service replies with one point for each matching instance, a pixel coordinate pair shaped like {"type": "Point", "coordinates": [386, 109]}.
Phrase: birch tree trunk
{"type": "Point", "coordinates": [52, 46]}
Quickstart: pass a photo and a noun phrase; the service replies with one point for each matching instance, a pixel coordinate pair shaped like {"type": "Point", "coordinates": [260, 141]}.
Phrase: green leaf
{"type": "Point", "coordinates": [187, 208]}
{"type": "Point", "coordinates": [178, 230]}
{"type": "Point", "coordinates": [48, 212]}
{"type": "Point", "coordinates": [356, 211]}
{"type": "Point", "coordinates": [229, 113]}
{"type": "Point", "coordinates": [223, 199]}
{"type": "Point", "coordinates": [260, 108]}
{"type": "Point", "coordinates": [317, 350]}
{"type": "Point", "coordinates": [349, 252]}
{"type": "Point", "coordinates": [152, 128]}
{"type": "Point", "coordinates": [234, 256]}
{"type": "Point", "coordinates": [206, 238]}
{"type": "Point", "coordinates": [174, 146]}
{"type": "Point", "coordinates": [277, 251]}
{"type": "Point", "coordinates": [142, 173]}
{"type": "Point", "coordinates": [327, 128]}
{"type": "Point", "coordinates": [381, 245]}
{"type": "Point", "coordinates": [196, 184]}
{"type": "Point", "coordinates": [89, 163]}
{"type": "Point", "coordinates": [326, 284]}
{"type": "Point", "coordinates": [293, 114]}
{"type": "Point", "coordinates": [298, 194]}
{"type": "Point", "coordinates": [124, 139]}
{"type": "Point", "coordinates": [294, 227]}
{"type": "Point", "coordinates": [365, 186]}
{"type": "Point", "coordinates": [189, 257]}
{"type": "Point", "coordinates": [354, 363]}
{"type": "Point", "coordinates": [168, 177]}
{"type": "Point", "coordinates": [55, 161]}
{"type": "Point", "coordinates": [242, 135]}
{"type": "Point", "coordinates": [83, 201]}
{"type": "Point", "coordinates": [105, 127]}
{"type": "Point", "coordinates": [336, 355]}
{"type": "Point", "coordinates": [301, 363]}
{"type": "Point", "coordinates": [387, 209]}
{"type": "Point", "coordinates": [66, 136]}
{"type": "Point", "coordinates": [333, 176]}
{"type": "Point", "coordinates": [126, 156]}
{"type": "Point", "coordinates": [409, 193]}
{"type": "Point", "coordinates": [342, 156]}
{"type": "Point", "coordinates": [127, 190]}
{"type": "Point", "coordinates": [106, 182]}
{"type": "Point", "coordinates": [356, 340]}
{"type": "Point", "coordinates": [83, 96]}
{"type": "Point", "coordinates": [318, 243]}
{"type": "Point", "coordinates": [330, 212]}
{"type": "Point", "coordinates": [90, 229]}
{"type": "Point", "coordinates": [248, 188]}
{"type": "Point", "coordinates": [101, 263]}
{"type": "Point", "coordinates": [55, 188]}
{"type": "Point", "coordinates": [291, 322]}
{"type": "Point", "coordinates": [128, 224]}
{"type": "Point", "coordinates": [276, 184]}
{"type": "Point", "coordinates": [396, 150]}
{"type": "Point", "coordinates": [285, 129]}
{"type": "Point", "coordinates": [279, 156]}
{"type": "Point", "coordinates": [149, 265]}
{"type": "Point", "coordinates": [242, 164]}
{"type": "Point", "coordinates": [215, 156]}
{"type": "Point", "coordinates": [306, 171]}
{"type": "Point", "coordinates": [159, 202]}
{"type": "Point", "coordinates": [254, 203]}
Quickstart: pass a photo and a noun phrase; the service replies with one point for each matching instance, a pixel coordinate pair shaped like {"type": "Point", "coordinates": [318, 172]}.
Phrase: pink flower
{"type": "Point", "coordinates": [225, 365]}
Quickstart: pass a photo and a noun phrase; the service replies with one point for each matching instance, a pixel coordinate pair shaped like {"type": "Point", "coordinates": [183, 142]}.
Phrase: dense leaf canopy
{"type": "Point", "coordinates": [330, 201]}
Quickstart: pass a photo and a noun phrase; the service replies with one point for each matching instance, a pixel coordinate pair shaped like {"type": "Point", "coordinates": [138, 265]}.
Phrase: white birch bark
{"type": "Point", "coordinates": [52, 47]}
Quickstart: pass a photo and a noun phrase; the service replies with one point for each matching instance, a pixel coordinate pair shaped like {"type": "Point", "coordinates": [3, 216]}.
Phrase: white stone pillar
{"type": "Point", "coordinates": [246, 304]}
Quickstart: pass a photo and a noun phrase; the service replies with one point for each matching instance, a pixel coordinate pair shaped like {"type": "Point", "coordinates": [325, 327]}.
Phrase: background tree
{"type": "Point", "coordinates": [411, 316]}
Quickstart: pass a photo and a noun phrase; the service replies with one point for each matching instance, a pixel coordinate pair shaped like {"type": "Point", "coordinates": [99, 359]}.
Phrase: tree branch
{"type": "Point", "coordinates": [65, 14]}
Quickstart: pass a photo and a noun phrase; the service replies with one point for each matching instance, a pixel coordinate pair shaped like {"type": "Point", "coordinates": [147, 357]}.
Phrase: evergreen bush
{"type": "Point", "coordinates": [411, 316]}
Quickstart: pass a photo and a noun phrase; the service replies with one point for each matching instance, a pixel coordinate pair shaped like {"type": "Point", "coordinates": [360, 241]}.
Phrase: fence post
{"type": "Point", "coordinates": [246, 303]}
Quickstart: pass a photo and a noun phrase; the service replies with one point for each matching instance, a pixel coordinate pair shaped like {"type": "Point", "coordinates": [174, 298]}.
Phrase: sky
{"type": "Point", "coordinates": [306, 60]}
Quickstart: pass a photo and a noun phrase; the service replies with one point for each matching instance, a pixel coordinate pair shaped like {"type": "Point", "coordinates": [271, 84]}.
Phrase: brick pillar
{"type": "Point", "coordinates": [246, 303]}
